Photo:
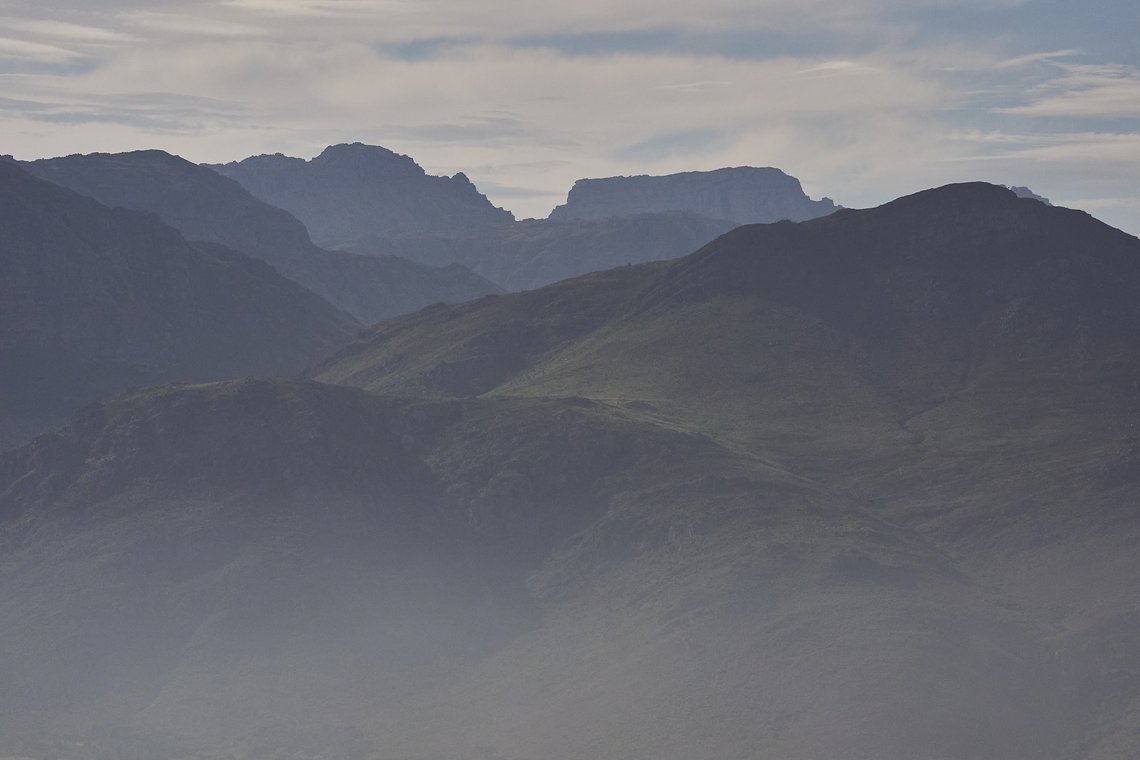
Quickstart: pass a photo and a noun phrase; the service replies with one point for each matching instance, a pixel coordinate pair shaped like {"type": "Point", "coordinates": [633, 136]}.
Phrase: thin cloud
{"type": "Point", "coordinates": [486, 129]}
{"type": "Point", "coordinates": [314, 7]}
{"type": "Point", "coordinates": [838, 67]}
{"type": "Point", "coordinates": [1024, 60]}
{"type": "Point", "coordinates": [1085, 91]}
{"type": "Point", "coordinates": [532, 96]}
{"type": "Point", "coordinates": [694, 86]}
{"type": "Point", "coordinates": [38, 52]}
{"type": "Point", "coordinates": [178, 25]}
{"type": "Point", "coordinates": [65, 31]}
{"type": "Point", "coordinates": [1121, 150]}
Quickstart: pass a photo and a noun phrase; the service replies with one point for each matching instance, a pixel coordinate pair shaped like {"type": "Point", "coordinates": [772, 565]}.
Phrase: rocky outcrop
{"type": "Point", "coordinates": [745, 195]}
{"type": "Point", "coordinates": [350, 192]}
{"type": "Point", "coordinates": [1024, 192]}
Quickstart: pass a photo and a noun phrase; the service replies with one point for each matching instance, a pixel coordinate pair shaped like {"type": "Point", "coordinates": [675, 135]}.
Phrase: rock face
{"type": "Point", "coordinates": [204, 205]}
{"type": "Point", "coordinates": [1024, 192]}
{"type": "Point", "coordinates": [537, 252]}
{"type": "Point", "coordinates": [94, 300]}
{"type": "Point", "coordinates": [350, 192]}
{"type": "Point", "coordinates": [744, 195]}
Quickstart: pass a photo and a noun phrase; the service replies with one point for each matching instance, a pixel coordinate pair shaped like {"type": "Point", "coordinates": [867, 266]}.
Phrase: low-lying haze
{"type": "Point", "coordinates": [862, 100]}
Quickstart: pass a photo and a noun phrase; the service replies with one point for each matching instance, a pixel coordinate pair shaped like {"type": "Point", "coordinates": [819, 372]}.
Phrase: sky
{"type": "Point", "coordinates": [862, 100]}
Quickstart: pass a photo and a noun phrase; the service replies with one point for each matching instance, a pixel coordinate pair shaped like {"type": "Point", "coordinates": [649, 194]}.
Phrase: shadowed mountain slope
{"type": "Point", "coordinates": [962, 360]}
{"type": "Point", "coordinates": [914, 300]}
{"type": "Point", "coordinates": [859, 487]}
{"type": "Point", "coordinates": [94, 300]}
{"type": "Point", "coordinates": [204, 205]}
{"type": "Point", "coordinates": [612, 222]}
{"type": "Point", "coordinates": [351, 192]}
{"type": "Point", "coordinates": [244, 568]}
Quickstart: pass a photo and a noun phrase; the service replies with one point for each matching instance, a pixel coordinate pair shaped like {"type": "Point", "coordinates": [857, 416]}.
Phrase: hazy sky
{"type": "Point", "coordinates": [863, 100]}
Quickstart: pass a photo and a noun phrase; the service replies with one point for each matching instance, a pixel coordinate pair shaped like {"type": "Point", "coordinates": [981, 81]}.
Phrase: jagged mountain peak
{"type": "Point", "coordinates": [206, 205]}
{"type": "Point", "coordinates": [352, 191]}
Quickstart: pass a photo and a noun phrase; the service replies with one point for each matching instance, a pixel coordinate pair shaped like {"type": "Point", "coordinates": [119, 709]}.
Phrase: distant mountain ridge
{"type": "Point", "coordinates": [204, 205]}
{"type": "Point", "coordinates": [744, 195]}
{"type": "Point", "coordinates": [537, 252]}
{"type": "Point", "coordinates": [353, 191]}
{"type": "Point", "coordinates": [369, 200]}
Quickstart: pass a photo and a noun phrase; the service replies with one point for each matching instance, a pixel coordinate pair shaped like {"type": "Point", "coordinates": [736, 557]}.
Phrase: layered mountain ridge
{"type": "Point", "coordinates": [536, 252]}
{"type": "Point", "coordinates": [352, 191]}
{"type": "Point", "coordinates": [369, 200]}
{"type": "Point", "coordinates": [834, 488]}
{"type": "Point", "coordinates": [204, 205]}
{"type": "Point", "coordinates": [97, 300]}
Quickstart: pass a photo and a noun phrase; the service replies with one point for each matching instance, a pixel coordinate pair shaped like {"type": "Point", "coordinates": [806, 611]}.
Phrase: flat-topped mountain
{"type": "Point", "coordinates": [94, 300]}
{"type": "Point", "coordinates": [744, 195]}
{"type": "Point", "coordinates": [825, 489]}
{"type": "Point", "coordinates": [351, 192]}
{"type": "Point", "coordinates": [371, 201]}
{"type": "Point", "coordinates": [204, 205]}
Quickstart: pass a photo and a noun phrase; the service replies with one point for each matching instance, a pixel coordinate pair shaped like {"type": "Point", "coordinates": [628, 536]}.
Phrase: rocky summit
{"type": "Point", "coordinates": [351, 192]}
{"type": "Point", "coordinates": [204, 205]}
{"type": "Point", "coordinates": [744, 195]}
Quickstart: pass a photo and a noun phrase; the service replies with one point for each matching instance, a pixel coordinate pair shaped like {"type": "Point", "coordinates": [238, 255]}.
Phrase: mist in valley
{"type": "Point", "coordinates": [478, 382]}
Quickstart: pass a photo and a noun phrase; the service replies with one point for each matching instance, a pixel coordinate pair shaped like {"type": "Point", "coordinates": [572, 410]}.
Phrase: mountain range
{"type": "Point", "coordinates": [95, 300]}
{"type": "Point", "coordinates": [537, 252]}
{"type": "Point", "coordinates": [352, 191]}
{"type": "Point", "coordinates": [368, 200]}
{"type": "Point", "coordinates": [861, 486]}
{"type": "Point", "coordinates": [204, 205]}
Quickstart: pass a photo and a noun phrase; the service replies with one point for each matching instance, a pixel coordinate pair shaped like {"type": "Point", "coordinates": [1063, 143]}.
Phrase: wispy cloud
{"type": "Point", "coordinates": [25, 50]}
{"type": "Point", "coordinates": [667, 145]}
{"type": "Point", "coordinates": [863, 100]}
{"type": "Point", "coordinates": [1086, 91]}
{"type": "Point", "coordinates": [1031, 58]}
{"type": "Point", "coordinates": [694, 86]}
{"type": "Point", "coordinates": [167, 24]}
{"type": "Point", "coordinates": [838, 67]}
{"type": "Point", "coordinates": [483, 130]}
{"type": "Point", "coordinates": [316, 7]}
{"type": "Point", "coordinates": [64, 31]}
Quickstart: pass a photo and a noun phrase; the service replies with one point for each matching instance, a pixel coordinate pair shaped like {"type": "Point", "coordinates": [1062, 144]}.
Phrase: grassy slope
{"type": "Point", "coordinates": [790, 497]}
{"type": "Point", "coordinates": [969, 378]}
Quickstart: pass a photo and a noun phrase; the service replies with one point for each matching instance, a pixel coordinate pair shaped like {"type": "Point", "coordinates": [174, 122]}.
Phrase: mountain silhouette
{"type": "Point", "coordinates": [352, 191]}
{"type": "Point", "coordinates": [206, 206]}
{"type": "Point", "coordinates": [97, 300]}
{"type": "Point", "coordinates": [743, 194]}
